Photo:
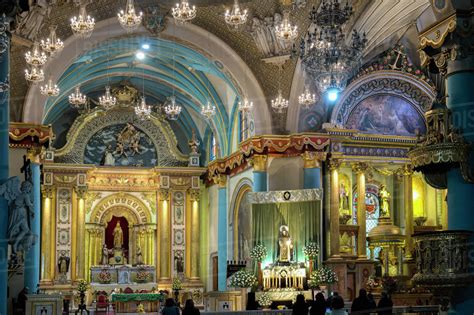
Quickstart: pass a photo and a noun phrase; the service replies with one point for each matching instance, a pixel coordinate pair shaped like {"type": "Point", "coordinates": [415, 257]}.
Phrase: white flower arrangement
{"type": "Point", "coordinates": [264, 299]}
{"type": "Point", "coordinates": [259, 252]}
{"type": "Point", "coordinates": [176, 285]}
{"type": "Point", "coordinates": [311, 250]}
{"type": "Point", "coordinates": [243, 279]}
{"type": "Point", "coordinates": [322, 276]}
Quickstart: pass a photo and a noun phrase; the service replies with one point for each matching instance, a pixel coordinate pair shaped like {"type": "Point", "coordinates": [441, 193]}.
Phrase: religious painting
{"type": "Point", "coordinates": [121, 145]}
{"type": "Point", "coordinates": [310, 120]}
{"type": "Point", "coordinates": [244, 225]}
{"type": "Point", "coordinates": [386, 114]}
{"type": "Point", "coordinates": [178, 237]}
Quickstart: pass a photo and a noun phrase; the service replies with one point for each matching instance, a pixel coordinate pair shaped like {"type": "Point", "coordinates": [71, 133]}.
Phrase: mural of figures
{"type": "Point", "coordinates": [120, 145]}
{"type": "Point", "coordinates": [386, 114]}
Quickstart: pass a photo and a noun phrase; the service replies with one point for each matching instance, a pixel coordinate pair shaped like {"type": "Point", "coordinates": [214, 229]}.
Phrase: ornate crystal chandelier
{"type": "Point", "coordinates": [35, 75]}
{"type": "Point", "coordinates": [142, 110]}
{"type": "Point", "coordinates": [82, 25]}
{"type": "Point", "coordinates": [107, 100]}
{"type": "Point", "coordinates": [172, 109]}
{"type": "Point", "coordinates": [325, 55]}
{"type": "Point", "coordinates": [236, 16]}
{"type": "Point", "coordinates": [36, 57]}
{"type": "Point", "coordinates": [307, 99]}
{"type": "Point", "coordinates": [280, 103]}
{"type": "Point", "coordinates": [183, 12]}
{"type": "Point", "coordinates": [208, 110]}
{"type": "Point", "coordinates": [49, 89]}
{"type": "Point", "coordinates": [128, 18]}
{"type": "Point", "coordinates": [245, 105]}
{"type": "Point", "coordinates": [77, 99]}
{"type": "Point", "coordinates": [52, 44]}
{"type": "Point", "coordinates": [285, 31]}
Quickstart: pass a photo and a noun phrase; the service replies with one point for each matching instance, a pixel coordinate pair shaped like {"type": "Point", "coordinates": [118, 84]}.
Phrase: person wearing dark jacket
{"type": "Point", "coordinates": [190, 309]}
{"type": "Point", "coordinates": [300, 307]}
{"type": "Point", "coordinates": [360, 303]}
{"type": "Point", "coordinates": [372, 303]}
{"type": "Point", "coordinates": [318, 307]}
{"type": "Point", "coordinates": [252, 303]}
{"type": "Point", "coordinates": [170, 308]}
{"type": "Point", "coordinates": [385, 305]}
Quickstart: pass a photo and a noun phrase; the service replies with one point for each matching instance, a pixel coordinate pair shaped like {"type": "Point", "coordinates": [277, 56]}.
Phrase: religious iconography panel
{"type": "Point", "coordinates": [120, 145]}
{"type": "Point", "coordinates": [386, 114]}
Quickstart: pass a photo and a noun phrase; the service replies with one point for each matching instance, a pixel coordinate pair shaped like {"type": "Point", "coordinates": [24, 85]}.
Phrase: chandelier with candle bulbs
{"type": "Point", "coordinates": [77, 99]}
{"type": "Point", "coordinates": [326, 57]}
{"type": "Point", "coordinates": [49, 89]}
{"type": "Point", "coordinates": [280, 103]}
{"type": "Point", "coordinates": [129, 19]}
{"type": "Point", "coordinates": [286, 31]}
{"type": "Point", "coordinates": [82, 25]}
{"type": "Point", "coordinates": [34, 75]}
{"type": "Point", "coordinates": [36, 57]}
{"type": "Point", "coordinates": [307, 99]}
{"type": "Point", "coordinates": [208, 110]}
{"type": "Point", "coordinates": [172, 109]}
{"type": "Point", "coordinates": [52, 45]}
{"type": "Point", "coordinates": [142, 110]}
{"type": "Point", "coordinates": [245, 105]}
{"type": "Point", "coordinates": [183, 12]}
{"type": "Point", "coordinates": [236, 16]}
{"type": "Point", "coordinates": [107, 100]}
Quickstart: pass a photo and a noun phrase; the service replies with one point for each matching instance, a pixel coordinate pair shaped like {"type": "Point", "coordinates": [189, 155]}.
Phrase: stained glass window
{"type": "Point", "coordinates": [213, 148]}
{"type": "Point", "coordinates": [372, 213]}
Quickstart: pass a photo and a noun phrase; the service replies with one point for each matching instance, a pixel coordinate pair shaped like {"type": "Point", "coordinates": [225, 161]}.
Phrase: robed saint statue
{"type": "Point", "coordinates": [118, 236]}
{"type": "Point", "coordinates": [285, 244]}
{"type": "Point", "coordinates": [384, 202]}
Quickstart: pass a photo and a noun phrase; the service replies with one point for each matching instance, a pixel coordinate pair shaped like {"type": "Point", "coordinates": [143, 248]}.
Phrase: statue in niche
{"type": "Point", "coordinates": [285, 244]}
{"type": "Point", "coordinates": [384, 202]}
{"type": "Point", "coordinates": [20, 204]}
{"type": "Point", "coordinates": [63, 264]}
{"type": "Point", "coordinates": [29, 22]}
{"type": "Point", "coordinates": [109, 159]}
{"type": "Point", "coordinates": [104, 260]}
{"type": "Point", "coordinates": [343, 197]}
{"type": "Point", "coordinates": [118, 236]}
{"type": "Point", "coordinates": [139, 258]}
{"type": "Point", "coordinates": [178, 262]}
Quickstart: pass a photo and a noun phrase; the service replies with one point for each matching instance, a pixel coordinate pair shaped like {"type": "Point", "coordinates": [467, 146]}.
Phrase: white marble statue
{"type": "Point", "coordinates": [30, 22]}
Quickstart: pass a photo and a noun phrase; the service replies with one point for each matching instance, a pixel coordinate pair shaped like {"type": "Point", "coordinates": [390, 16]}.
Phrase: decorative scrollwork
{"type": "Point", "coordinates": [285, 196]}
{"type": "Point", "coordinates": [4, 33]}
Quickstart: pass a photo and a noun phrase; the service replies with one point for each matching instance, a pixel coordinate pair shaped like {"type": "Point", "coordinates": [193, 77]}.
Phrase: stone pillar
{"type": "Point", "coordinates": [359, 169]}
{"type": "Point", "coordinates": [32, 257]}
{"type": "Point", "coordinates": [80, 232]}
{"type": "Point", "coordinates": [312, 169]}
{"type": "Point", "coordinates": [195, 239]}
{"type": "Point", "coordinates": [46, 222]}
{"type": "Point", "coordinates": [408, 197]}
{"type": "Point", "coordinates": [221, 181]}
{"type": "Point", "coordinates": [260, 176]}
{"type": "Point", "coordinates": [164, 219]}
{"type": "Point", "coordinates": [4, 163]}
{"type": "Point", "coordinates": [334, 209]}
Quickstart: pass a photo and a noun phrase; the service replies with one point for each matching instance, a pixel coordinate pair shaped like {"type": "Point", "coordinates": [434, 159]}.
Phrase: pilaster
{"type": "Point", "coordinates": [333, 167]}
{"type": "Point", "coordinates": [359, 169]}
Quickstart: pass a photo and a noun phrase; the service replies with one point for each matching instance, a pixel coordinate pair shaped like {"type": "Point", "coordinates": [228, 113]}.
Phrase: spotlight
{"type": "Point", "coordinates": [332, 94]}
{"type": "Point", "coordinates": [146, 46]}
{"type": "Point", "coordinates": [140, 55]}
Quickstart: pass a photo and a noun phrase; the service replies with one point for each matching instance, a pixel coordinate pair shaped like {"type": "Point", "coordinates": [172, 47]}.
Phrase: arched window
{"type": "Point", "coordinates": [243, 126]}
{"type": "Point", "coordinates": [212, 148]}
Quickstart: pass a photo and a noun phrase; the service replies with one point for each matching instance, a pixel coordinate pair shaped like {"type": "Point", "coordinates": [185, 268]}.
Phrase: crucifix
{"type": "Point", "coordinates": [26, 168]}
{"type": "Point", "coordinates": [394, 65]}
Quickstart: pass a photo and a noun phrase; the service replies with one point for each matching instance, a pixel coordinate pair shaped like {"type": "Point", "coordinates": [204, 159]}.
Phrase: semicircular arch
{"type": "Point", "coordinates": [125, 204]}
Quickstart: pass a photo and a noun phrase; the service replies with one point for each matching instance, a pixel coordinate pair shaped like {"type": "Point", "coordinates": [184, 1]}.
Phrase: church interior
{"type": "Point", "coordinates": [217, 151]}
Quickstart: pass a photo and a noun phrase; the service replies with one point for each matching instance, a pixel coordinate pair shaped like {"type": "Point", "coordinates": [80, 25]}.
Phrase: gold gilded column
{"type": "Point", "coordinates": [52, 240]}
{"type": "Point", "coordinates": [195, 230]}
{"type": "Point", "coordinates": [80, 232]}
{"type": "Point", "coordinates": [46, 222]}
{"type": "Point", "coordinates": [359, 169]}
{"type": "Point", "coordinates": [408, 196]}
{"type": "Point", "coordinates": [187, 235]}
{"type": "Point", "coordinates": [334, 209]}
{"type": "Point", "coordinates": [88, 254]}
{"type": "Point", "coordinates": [165, 235]}
{"type": "Point", "coordinates": [74, 240]}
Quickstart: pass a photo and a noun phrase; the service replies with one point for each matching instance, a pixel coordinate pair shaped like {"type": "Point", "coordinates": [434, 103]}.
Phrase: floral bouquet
{"type": "Point", "coordinates": [264, 299]}
{"type": "Point", "coordinates": [311, 250]}
{"type": "Point", "coordinates": [142, 275]}
{"type": "Point", "coordinates": [322, 276]}
{"type": "Point", "coordinates": [259, 252]}
{"type": "Point", "coordinates": [104, 276]}
{"type": "Point", "coordinates": [371, 283]}
{"type": "Point", "coordinates": [176, 285]}
{"type": "Point", "coordinates": [243, 279]}
{"type": "Point", "coordinates": [82, 286]}
{"type": "Point", "coordinates": [389, 284]}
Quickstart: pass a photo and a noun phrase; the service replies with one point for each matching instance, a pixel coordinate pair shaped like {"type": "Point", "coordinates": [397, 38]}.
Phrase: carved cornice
{"type": "Point", "coordinates": [23, 135]}
{"type": "Point", "coordinates": [435, 36]}
{"type": "Point", "coordinates": [285, 196]}
{"type": "Point", "coordinates": [360, 168]}
{"type": "Point", "coordinates": [259, 162]}
{"type": "Point", "coordinates": [334, 164]}
{"type": "Point", "coordinates": [312, 159]}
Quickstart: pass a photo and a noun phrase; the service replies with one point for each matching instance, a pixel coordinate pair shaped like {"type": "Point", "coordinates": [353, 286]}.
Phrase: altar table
{"type": "Point", "coordinates": [127, 302]}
